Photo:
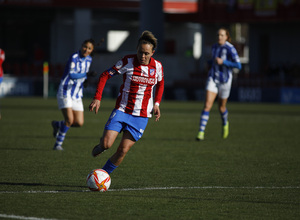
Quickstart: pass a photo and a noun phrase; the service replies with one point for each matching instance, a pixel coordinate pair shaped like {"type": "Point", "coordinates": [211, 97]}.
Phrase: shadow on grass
{"type": "Point", "coordinates": [37, 184]}
{"type": "Point", "coordinates": [52, 138]}
{"type": "Point", "coordinates": [25, 149]}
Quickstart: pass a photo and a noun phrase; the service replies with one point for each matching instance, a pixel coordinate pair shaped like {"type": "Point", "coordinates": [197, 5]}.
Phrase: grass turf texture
{"type": "Point", "coordinates": [254, 174]}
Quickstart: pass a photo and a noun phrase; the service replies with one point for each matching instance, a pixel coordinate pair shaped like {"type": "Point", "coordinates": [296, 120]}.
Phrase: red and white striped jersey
{"type": "Point", "coordinates": [2, 58]}
{"type": "Point", "coordinates": [136, 92]}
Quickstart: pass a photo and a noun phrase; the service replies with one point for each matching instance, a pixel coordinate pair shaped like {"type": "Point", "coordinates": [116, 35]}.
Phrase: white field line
{"type": "Point", "coordinates": [23, 217]}
{"type": "Point", "coordinates": [157, 188]}
{"type": "Point", "coordinates": [204, 187]}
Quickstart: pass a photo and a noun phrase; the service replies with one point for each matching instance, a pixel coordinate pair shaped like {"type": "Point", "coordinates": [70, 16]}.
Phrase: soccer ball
{"type": "Point", "coordinates": [98, 180]}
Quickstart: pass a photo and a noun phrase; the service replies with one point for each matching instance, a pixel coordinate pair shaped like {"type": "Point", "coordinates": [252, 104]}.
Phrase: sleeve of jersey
{"type": "Point", "coordinates": [236, 60]}
{"type": "Point", "coordinates": [159, 91]}
{"type": "Point", "coordinates": [232, 64]}
{"type": "Point", "coordinates": [101, 83]}
{"type": "Point", "coordinates": [77, 75]}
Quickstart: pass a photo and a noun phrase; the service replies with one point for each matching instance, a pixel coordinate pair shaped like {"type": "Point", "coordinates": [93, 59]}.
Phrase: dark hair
{"type": "Point", "coordinates": [148, 38]}
{"type": "Point", "coordinates": [89, 41]}
{"type": "Point", "coordinates": [227, 33]}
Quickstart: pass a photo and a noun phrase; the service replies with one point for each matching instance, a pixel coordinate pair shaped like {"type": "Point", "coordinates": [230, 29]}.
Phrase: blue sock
{"type": "Point", "coordinates": [109, 167]}
{"type": "Point", "coordinates": [224, 117]}
{"type": "Point", "coordinates": [203, 120]}
{"type": "Point", "coordinates": [61, 134]}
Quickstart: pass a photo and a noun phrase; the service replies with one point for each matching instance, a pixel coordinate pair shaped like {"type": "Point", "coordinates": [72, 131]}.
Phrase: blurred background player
{"type": "Point", "coordinates": [2, 58]}
{"type": "Point", "coordinates": [134, 104]}
{"type": "Point", "coordinates": [224, 59]}
{"type": "Point", "coordinates": [70, 92]}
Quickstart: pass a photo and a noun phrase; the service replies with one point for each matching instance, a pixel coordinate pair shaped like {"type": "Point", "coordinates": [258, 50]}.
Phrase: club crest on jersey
{"type": "Point", "coordinates": [152, 72]}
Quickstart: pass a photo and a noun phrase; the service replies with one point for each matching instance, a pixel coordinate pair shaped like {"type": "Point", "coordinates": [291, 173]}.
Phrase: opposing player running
{"type": "Point", "coordinates": [70, 92]}
{"type": "Point", "coordinates": [134, 104]}
{"type": "Point", "coordinates": [224, 59]}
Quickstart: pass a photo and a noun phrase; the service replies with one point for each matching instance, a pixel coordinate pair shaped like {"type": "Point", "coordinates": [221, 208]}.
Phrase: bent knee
{"type": "Point", "coordinates": [222, 109]}
{"type": "Point", "coordinates": [79, 124]}
{"type": "Point", "coordinates": [106, 143]}
{"type": "Point", "coordinates": [69, 123]}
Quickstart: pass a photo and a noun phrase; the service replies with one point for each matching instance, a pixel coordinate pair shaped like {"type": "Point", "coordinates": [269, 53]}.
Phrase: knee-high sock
{"type": "Point", "coordinates": [224, 117]}
{"type": "Point", "coordinates": [61, 134]}
{"type": "Point", "coordinates": [203, 120]}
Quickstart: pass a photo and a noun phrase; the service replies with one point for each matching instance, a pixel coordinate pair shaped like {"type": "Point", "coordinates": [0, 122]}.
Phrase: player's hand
{"type": "Point", "coordinates": [219, 60]}
{"type": "Point", "coordinates": [94, 104]}
{"type": "Point", "coordinates": [156, 112]}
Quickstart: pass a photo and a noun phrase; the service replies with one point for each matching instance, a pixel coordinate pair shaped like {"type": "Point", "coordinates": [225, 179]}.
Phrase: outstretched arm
{"type": "Point", "coordinates": [101, 83]}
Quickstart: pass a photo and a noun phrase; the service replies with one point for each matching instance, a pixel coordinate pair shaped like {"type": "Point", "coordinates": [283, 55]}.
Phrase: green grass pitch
{"type": "Point", "coordinates": [254, 174]}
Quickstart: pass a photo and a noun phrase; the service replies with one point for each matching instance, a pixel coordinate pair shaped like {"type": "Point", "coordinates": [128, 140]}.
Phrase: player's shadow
{"type": "Point", "coordinates": [52, 138]}
{"type": "Point", "coordinates": [19, 149]}
{"type": "Point", "coordinates": [45, 185]}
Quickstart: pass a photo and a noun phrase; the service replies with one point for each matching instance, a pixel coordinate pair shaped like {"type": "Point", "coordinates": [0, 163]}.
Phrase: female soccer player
{"type": "Point", "coordinates": [224, 59]}
{"type": "Point", "coordinates": [69, 95]}
{"type": "Point", "coordinates": [2, 58]}
{"type": "Point", "coordinates": [134, 104]}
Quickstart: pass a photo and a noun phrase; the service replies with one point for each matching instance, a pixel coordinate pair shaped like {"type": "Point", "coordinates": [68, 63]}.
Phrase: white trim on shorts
{"type": "Point", "coordinates": [222, 89]}
{"type": "Point", "coordinates": [75, 104]}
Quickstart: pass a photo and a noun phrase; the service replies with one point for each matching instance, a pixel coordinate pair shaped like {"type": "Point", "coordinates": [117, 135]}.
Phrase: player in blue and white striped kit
{"type": "Point", "coordinates": [224, 59]}
{"type": "Point", "coordinates": [70, 92]}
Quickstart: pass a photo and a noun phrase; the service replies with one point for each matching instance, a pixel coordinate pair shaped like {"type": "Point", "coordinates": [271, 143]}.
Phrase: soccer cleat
{"type": "Point", "coordinates": [55, 128]}
{"type": "Point", "coordinates": [57, 147]}
{"type": "Point", "coordinates": [226, 130]}
{"type": "Point", "coordinates": [97, 150]}
{"type": "Point", "coordinates": [200, 136]}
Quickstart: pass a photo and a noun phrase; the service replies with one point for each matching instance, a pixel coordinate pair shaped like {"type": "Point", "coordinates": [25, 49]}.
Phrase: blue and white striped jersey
{"type": "Point", "coordinates": [71, 84]}
{"type": "Point", "coordinates": [221, 73]}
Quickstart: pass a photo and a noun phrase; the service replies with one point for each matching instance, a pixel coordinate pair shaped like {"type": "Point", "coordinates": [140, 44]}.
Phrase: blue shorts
{"type": "Point", "coordinates": [119, 121]}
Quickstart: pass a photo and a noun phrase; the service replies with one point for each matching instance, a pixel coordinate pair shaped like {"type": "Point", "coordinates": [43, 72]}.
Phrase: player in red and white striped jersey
{"type": "Point", "coordinates": [2, 58]}
{"type": "Point", "coordinates": [134, 105]}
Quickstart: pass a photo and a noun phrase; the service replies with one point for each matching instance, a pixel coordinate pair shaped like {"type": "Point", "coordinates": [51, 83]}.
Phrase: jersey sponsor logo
{"type": "Point", "coordinates": [143, 80]}
{"type": "Point", "coordinates": [152, 72]}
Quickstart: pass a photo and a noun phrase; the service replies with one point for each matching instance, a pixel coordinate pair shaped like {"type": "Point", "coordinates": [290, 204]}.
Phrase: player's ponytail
{"type": "Point", "coordinates": [148, 38]}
